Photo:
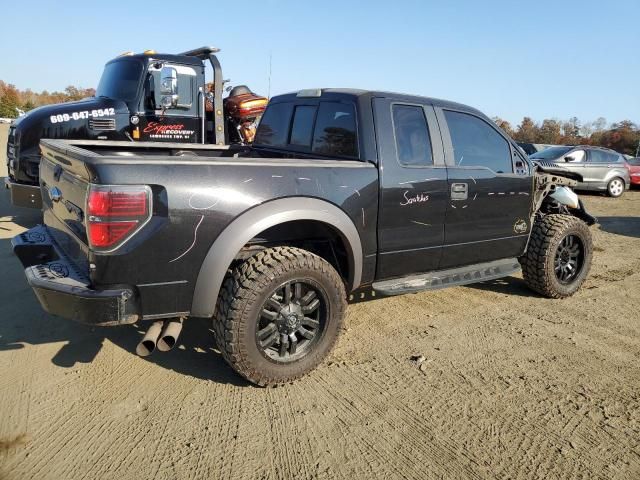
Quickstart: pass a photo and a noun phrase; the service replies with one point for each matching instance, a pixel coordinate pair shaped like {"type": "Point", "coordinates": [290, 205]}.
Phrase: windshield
{"type": "Point", "coordinates": [550, 153]}
{"type": "Point", "coordinates": [634, 161]}
{"type": "Point", "coordinates": [120, 80]}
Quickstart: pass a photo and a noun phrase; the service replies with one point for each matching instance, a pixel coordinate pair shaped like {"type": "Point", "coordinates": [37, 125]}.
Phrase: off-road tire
{"type": "Point", "coordinates": [615, 192]}
{"type": "Point", "coordinates": [538, 263]}
{"type": "Point", "coordinates": [242, 296]}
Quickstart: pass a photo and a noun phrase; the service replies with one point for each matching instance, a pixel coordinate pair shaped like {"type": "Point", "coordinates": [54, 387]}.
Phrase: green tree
{"type": "Point", "coordinates": [28, 105]}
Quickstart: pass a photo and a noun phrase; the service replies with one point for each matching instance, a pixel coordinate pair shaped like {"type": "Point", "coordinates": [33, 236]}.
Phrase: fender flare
{"type": "Point", "coordinates": [251, 223]}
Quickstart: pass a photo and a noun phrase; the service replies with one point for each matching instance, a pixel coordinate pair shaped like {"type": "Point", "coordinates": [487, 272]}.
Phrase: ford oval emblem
{"type": "Point", "coordinates": [55, 194]}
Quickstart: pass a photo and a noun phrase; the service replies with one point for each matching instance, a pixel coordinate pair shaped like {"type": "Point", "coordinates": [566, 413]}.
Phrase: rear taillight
{"type": "Point", "coordinates": [115, 213]}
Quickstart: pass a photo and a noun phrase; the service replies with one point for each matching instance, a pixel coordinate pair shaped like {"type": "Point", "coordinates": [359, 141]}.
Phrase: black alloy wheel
{"type": "Point", "coordinates": [569, 259]}
{"type": "Point", "coordinates": [291, 321]}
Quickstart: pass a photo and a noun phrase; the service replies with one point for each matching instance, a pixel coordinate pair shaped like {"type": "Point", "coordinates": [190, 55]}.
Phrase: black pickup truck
{"type": "Point", "coordinates": [344, 191]}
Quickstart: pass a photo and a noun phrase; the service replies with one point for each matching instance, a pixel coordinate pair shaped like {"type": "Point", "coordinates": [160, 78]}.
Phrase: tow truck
{"type": "Point", "coordinates": [145, 97]}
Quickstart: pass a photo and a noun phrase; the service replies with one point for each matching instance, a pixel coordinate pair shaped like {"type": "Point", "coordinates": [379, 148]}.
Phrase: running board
{"type": "Point", "coordinates": [479, 272]}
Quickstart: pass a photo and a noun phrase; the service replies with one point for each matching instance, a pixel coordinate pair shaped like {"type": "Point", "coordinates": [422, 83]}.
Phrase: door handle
{"type": "Point", "coordinates": [459, 191]}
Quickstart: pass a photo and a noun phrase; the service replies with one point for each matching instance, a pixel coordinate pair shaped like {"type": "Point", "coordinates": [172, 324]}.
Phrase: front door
{"type": "Point", "coordinates": [180, 122]}
{"type": "Point", "coordinates": [413, 183]}
{"type": "Point", "coordinates": [489, 192]}
{"type": "Point", "coordinates": [576, 162]}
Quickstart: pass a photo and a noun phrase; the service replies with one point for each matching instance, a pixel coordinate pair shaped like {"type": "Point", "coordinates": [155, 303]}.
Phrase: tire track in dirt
{"type": "Point", "coordinates": [517, 387]}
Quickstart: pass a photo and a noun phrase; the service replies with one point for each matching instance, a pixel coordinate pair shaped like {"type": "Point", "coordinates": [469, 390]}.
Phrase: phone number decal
{"type": "Point", "coordinates": [65, 117]}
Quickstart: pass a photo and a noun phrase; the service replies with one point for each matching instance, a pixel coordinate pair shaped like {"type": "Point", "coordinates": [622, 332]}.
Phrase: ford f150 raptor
{"type": "Point", "coordinates": [342, 191]}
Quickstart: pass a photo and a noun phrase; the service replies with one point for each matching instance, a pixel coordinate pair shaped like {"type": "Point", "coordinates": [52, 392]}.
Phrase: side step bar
{"type": "Point", "coordinates": [448, 278]}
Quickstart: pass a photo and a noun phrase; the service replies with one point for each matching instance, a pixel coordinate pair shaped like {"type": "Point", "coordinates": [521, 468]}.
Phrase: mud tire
{"type": "Point", "coordinates": [243, 294]}
{"type": "Point", "coordinates": [538, 263]}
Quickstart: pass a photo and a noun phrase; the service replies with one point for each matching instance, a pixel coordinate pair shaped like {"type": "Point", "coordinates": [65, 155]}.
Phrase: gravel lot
{"type": "Point", "coordinates": [512, 386]}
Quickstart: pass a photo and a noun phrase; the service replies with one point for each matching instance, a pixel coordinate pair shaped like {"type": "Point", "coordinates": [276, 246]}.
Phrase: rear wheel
{"type": "Point", "coordinates": [615, 188]}
{"type": "Point", "coordinates": [279, 314]}
{"type": "Point", "coordinates": [558, 256]}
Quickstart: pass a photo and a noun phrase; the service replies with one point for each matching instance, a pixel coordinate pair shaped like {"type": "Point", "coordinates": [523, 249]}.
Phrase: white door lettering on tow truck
{"type": "Point", "coordinates": [66, 117]}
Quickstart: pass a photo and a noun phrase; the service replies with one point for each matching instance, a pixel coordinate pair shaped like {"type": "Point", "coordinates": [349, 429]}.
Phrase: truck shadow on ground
{"type": "Point", "coordinates": [28, 219]}
{"type": "Point", "coordinates": [627, 226]}
{"type": "Point", "coordinates": [507, 286]}
{"type": "Point", "coordinates": [24, 323]}
{"type": "Point", "coordinates": [194, 355]}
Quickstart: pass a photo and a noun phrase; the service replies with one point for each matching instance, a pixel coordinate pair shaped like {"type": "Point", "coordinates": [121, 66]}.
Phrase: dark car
{"type": "Point", "coordinates": [531, 148]}
{"type": "Point", "coordinates": [343, 192]}
{"type": "Point", "coordinates": [601, 169]}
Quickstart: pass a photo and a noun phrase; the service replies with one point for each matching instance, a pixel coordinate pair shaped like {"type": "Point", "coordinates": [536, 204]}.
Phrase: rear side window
{"type": "Point", "coordinates": [274, 125]}
{"type": "Point", "coordinates": [600, 156]}
{"type": "Point", "coordinates": [475, 143]}
{"type": "Point", "coordinates": [614, 158]}
{"type": "Point", "coordinates": [413, 145]}
{"type": "Point", "coordinates": [335, 130]}
{"type": "Point", "coordinates": [302, 128]}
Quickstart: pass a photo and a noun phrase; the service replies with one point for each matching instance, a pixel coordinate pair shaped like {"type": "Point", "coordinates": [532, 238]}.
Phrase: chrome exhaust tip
{"type": "Point", "coordinates": [169, 336]}
{"type": "Point", "coordinates": [148, 343]}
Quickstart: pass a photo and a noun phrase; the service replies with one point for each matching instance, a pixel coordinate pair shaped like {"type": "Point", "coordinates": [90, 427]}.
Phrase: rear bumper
{"type": "Point", "coordinates": [64, 290]}
{"type": "Point", "coordinates": [23, 195]}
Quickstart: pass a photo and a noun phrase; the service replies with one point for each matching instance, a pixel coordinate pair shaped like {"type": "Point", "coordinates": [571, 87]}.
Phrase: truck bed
{"type": "Point", "coordinates": [197, 192]}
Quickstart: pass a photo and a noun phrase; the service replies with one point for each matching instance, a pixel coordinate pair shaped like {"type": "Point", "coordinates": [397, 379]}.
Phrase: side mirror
{"type": "Point", "coordinates": [569, 158]}
{"type": "Point", "coordinates": [169, 87]}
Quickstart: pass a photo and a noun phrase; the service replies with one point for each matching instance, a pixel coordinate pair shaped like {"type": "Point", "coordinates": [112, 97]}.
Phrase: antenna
{"type": "Point", "coordinates": [269, 89]}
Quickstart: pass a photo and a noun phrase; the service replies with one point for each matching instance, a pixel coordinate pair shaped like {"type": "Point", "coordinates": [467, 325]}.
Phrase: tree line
{"type": "Point", "coordinates": [623, 137]}
{"type": "Point", "coordinates": [12, 99]}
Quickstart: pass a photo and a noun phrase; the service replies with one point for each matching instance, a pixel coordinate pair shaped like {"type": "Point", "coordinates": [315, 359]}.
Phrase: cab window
{"type": "Point", "coordinates": [274, 125]}
{"type": "Point", "coordinates": [335, 130]}
{"type": "Point", "coordinates": [327, 128]}
{"type": "Point", "coordinates": [186, 86]}
{"type": "Point", "coordinates": [476, 144]}
{"type": "Point", "coordinates": [302, 128]}
{"type": "Point", "coordinates": [413, 145]}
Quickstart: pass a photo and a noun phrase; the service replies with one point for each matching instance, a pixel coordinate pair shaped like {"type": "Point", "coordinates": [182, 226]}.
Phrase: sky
{"type": "Point", "coordinates": [543, 59]}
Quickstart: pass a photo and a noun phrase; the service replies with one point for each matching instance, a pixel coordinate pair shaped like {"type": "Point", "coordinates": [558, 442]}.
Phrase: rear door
{"type": "Point", "coordinates": [413, 188]}
{"type": "Point", "coordinates": [599, 164]}
{"type": "Point", "coordinates": [489, 191]}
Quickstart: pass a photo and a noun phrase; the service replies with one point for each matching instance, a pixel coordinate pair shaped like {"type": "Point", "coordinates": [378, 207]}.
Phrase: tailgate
{"type": "Point", "coordinates": [63, 202]}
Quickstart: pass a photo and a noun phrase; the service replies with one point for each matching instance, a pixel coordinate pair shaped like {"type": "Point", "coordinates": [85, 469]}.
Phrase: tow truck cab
{"type": "Point", "coordinates": [140, 97]}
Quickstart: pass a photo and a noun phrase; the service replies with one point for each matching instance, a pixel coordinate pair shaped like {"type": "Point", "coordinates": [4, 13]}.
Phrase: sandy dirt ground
{"type": "Point", "coordinates": [513, 386]}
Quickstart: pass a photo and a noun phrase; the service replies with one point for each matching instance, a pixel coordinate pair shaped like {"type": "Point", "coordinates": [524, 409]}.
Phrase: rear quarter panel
{"type": "Point", "coordinates": [194, 201]}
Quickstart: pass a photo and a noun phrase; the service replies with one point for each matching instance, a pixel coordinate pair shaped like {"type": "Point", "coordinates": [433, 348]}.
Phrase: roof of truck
{"type": "Point", "coordinates": [356, 92]}
{"type": "Point", "coordinates": [184, 59]}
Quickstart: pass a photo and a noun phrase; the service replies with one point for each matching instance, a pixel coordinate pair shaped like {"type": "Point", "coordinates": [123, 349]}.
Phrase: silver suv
{"type": "Point", "coordinates": [601, 169]}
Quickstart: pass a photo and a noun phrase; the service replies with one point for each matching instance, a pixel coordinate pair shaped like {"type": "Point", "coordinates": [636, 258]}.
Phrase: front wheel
{"type": "Point", "coordinates": [558, 256]}
{"type": "Point", "coordinates": [615, 188]}
{"type": "Point", "coordinates": [279, 314]}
